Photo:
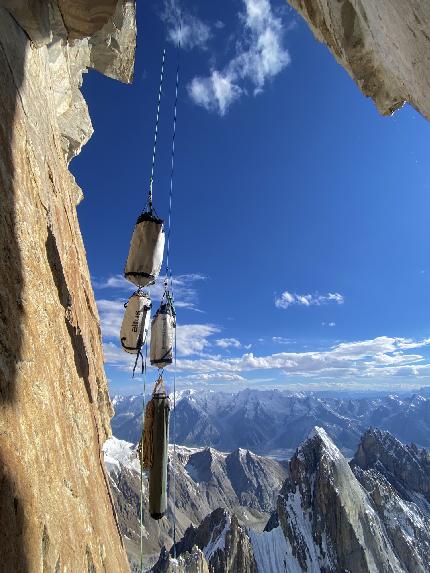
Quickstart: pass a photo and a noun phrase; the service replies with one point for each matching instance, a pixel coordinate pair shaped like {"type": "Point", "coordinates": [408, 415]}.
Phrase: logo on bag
{"type": "Point", "coordinates": [135, 325]}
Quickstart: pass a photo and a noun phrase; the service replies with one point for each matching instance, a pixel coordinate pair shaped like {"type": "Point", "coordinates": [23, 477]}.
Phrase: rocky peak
{"type": "Point", "coordinates": [203, 483]}
{"type": "Point", "coordinates": [254, 479]}
{"type": "Point", "coordinates": [190, 562]}
{"type": "Point", "coordinates": [396, 480]}
{"type": "Point", "coordinates": [206, 464]}
{"type": "Point", "coordinates": [406, 467]}
{"type": "Point", "coordinates": [325, 515]}
{"type": "Point", "coordinates": [222, 540]}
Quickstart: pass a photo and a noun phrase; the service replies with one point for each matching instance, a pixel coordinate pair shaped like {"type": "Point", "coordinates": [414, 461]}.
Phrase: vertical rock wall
{"type": "Point", "coordinates": [56, 511]}
{"type": "Point", "coordinates": [383, 44]}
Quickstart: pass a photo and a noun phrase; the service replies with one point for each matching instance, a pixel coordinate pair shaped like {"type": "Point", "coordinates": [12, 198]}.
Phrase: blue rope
{"type": "Point", "coordinates": [154, 150]}
{"type": "Point", "coordinates": [142, 522]}
{"type": "Point", "coordinates": [172, 171]}
{"type": "Point", "coordinates": [169, 278]}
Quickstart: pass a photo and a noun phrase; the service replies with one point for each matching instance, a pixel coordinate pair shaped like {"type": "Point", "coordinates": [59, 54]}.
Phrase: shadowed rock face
{"type": "Point", "coordinates": [56, 511]}
{"type": "Point", "coordinates": [384, 45]}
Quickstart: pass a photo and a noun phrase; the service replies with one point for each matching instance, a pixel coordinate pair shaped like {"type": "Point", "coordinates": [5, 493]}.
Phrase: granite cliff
{"type": "Point", "coordinates": [56, 510]}
{"type": "Point", "coordinates": [384, 45]}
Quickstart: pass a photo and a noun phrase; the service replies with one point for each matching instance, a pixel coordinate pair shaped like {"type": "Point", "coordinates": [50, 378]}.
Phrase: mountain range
{"type": "Point", "coordinates": [274, 423]}
{"type": "Point", "coordinates": [200, 481]}
{"type": "Point", "coordinates": [369, 515]}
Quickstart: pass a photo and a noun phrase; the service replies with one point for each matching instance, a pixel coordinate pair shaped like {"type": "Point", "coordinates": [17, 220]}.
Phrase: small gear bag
{"type": "Point", "coordinates": [135, 324]}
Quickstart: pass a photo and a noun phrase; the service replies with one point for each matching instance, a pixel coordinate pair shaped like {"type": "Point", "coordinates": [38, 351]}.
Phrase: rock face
{"type": "Point", "coordinates": [56, 510]}
{"type": "Point", "coordinates": [407, 468]}
{"type": "Point", "coordinates": [189, 562]}
{"type": "Point", "coordinates": [397, 478]}
{"type": "Point", "coordinates": [384, 45]}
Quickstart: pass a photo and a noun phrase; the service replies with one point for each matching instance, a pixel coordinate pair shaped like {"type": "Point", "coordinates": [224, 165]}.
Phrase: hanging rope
{"type": "Point", "coordinates": [172, 165]}
{"type": "Point", "coordinates": [174, 449]}
{"type": "Point", "coordinates": [154, 150]}
{"type": "Point", "coordinates": [169, 277]}
{"type": "Point", "coordinates": [142, 522]}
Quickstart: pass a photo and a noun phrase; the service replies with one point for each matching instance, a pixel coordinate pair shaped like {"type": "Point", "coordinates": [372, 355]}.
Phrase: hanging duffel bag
{"type": "Point", "coordinates": [135, 324]}
{"type": "Point", "coordinates": [145, 256]}
{"type": "Point", "coordinates": [163, 335]}
{"type": "Point", "coordinates": [154, 448]}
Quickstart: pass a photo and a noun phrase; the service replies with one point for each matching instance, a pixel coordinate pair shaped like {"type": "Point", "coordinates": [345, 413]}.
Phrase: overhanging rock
{"type": "Point", "coordinates": [383, 44]}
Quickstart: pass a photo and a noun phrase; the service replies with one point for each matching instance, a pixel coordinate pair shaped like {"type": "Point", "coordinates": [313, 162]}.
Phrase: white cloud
{"type": "Point", "coordinates": [330, 324]}
{"type": "Point", "coordinates": [113, 282]}
{"type": "Point", "coordinates": [281, 340]}
{"type": "Point", "coordinates": [190, 338]}
{"type": "Point", "coordinates": [213, 377]}
{"type": "Point", "coordinates": [184, 27]}
{"type": "Point", "coordinates": [287, 299]}
{"type": "Point", "coordinates": [215, 93]}
{"type": "Point", "coordinates": [193, 338]}
{"type": "Point", "coordinates": [371, 363]}
{"type": "Point", "coordinates": [260, 55]}
{"type": "Point", "coordinates": [111, 314]}
{"type": "Point", "coordinates": [380, 357]}
{"type": "Point", "coordinates": [116, 356]}
{"type": "Point", "coordinates": [228, 343]}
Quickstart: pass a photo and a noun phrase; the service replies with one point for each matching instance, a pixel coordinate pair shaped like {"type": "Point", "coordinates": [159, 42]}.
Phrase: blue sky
{"type": "Point", "coordinates": [300, 219]}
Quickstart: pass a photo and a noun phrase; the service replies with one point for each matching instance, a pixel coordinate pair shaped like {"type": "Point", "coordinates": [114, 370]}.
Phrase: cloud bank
{"type": "Point", "coordinates": [379, 358]}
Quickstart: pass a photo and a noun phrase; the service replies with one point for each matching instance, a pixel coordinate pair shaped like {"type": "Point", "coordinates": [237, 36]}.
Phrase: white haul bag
{"type": "Point", "coordinates": [163, 336]}
{"type": "Point", "coordinates": [145, 256]}
{"type": "Point", "coordinates": [135, 324]}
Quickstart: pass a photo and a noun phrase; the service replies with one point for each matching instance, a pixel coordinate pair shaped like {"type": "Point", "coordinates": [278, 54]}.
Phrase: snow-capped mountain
{"type": "Point", "coordinates": [276, 422]}
{"type": "Point", "coordinates": [241, 482]}
{"type": "Point", "coordinates": [367, 516]}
